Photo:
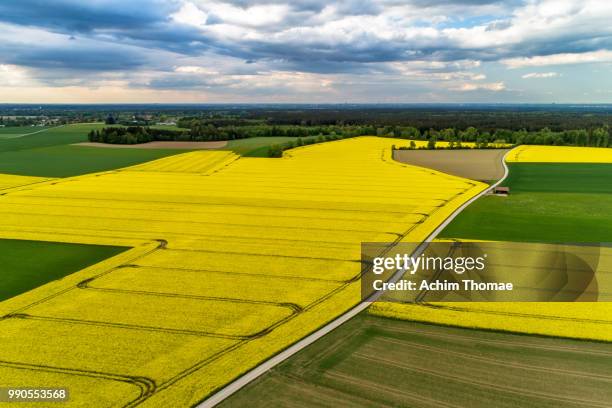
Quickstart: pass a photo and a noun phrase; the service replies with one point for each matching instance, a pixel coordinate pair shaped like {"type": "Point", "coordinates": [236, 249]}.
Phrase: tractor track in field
{"type": "Point", "coordinates": [221, 394]}
{"type": "Point", "coordinates": [519, 314]}
{"type": "Point", "coordinates": [146, 385]}
{"type": "Point", "coordinates": [513, 343]}
{"type": "Point", "coordinates": [497, 361]}
{"type": "Point", "coordinates": [481, 383]}
{"type": "Point", "coordinates": [241, 340]}
{"type": "Point", "coordinates": [17, 136]}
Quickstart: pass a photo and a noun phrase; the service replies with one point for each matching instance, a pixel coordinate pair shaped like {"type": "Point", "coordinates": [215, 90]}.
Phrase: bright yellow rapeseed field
{"type": "Point", "coordinates": [234, 259]}
{"type": "Point", "coordinates": [10, 181]}
{"type": "Point", "coordinates": [580, 320]}
{"type": "Point", "coordinates": [560, 154]}
{"type": "Point", "coordinates": [574, 320]}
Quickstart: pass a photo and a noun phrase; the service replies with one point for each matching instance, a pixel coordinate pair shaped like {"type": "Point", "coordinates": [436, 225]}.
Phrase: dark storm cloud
{"type": "Point", "coordinates": [142, 22]}
{"type": "Point", "coordinates": [180, 81]}
{"type": "Point", "coordinates": [373, 50]}
{"type": "Point", "coordinates": [147, 24]}
{"type": "Point", "coordinates": [86, 16]}
{"type": "Point", "coordinates": [147, 39]}
{"type": "Point", "coordinates": [77, 59]}
{"type": "Point", "coordinates": [315, 6]}
{"type": "Point", "coordinates": [361, 5]}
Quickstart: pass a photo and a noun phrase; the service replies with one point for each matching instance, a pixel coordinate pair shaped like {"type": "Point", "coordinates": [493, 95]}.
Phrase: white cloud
{"type": "Point", "coordinates": [315, 47]}
{"type": "Point", "coordinates": [254, 16]}
{"type": "Point", "coordinates": [560, 59]}
{"type": "Point", "coordinates": [12, 75]}
{"type": "Point", "coordinates": [490, 86]}
{"type": "Point", "coordinates": [191, 69]}
{"type": "Point", "coordinates": [190, 14]}
{"type": "Point", "coordinates": [439, 70]}
{"type": "Point", "coordinates": [286, 80]}
{"type": "Point", "coordinates": [538, 23]}
{"type": "Point", "coordinates": [541, 75]}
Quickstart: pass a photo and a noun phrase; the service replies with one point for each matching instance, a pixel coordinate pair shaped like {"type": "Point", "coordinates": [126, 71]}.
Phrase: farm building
{"type": "Point", "coordinates": [503, 191]}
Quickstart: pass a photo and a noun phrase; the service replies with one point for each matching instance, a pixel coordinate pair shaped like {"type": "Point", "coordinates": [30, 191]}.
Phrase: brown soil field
{"type": "Point", "coordinates": [160, 145]}
{"type": "Point", "coordinates": [373, 362]}
{"type": "Point", "coordinates": [477, 164]}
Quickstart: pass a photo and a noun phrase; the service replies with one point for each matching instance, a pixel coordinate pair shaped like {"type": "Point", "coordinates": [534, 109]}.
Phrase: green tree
{"type": "Point", "coordinates": [411, 133]}
{"type": "Point", "coordinates": [448, 134]}
{"type": "Point", "coordinates": [431, 143]}
{"type": "Point", "coordinates": [469, 135]}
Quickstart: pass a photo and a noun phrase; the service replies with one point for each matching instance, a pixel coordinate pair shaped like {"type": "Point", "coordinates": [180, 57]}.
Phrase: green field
{"type": "Point", "coordinates": [593, 178]}
{"type": "Point", "coordinates": [66, 161]}
{"type": "Point", "coordinates": [371, 362]}
{"type": "Point", "coordinates": [257, 146]}
{"type": "Point", "coordinates": [17, 131]}
{"type": "Point", "coordinates": [50, 154]}
{"type": "Point", "coordinates": [167, 127]}
{"type": "Point", "coordinates": [53, 137]}
{"type": "Point", "coordinates": [548, 202]}
{"type": "Point", "coordinates": [25, 265]}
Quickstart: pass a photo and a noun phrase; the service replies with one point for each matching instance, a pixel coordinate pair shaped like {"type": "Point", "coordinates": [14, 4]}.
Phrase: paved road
{"type": "Point", "coordinates": [237, 384]}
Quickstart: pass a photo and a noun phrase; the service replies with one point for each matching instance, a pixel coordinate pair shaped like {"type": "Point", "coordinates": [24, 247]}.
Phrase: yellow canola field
{"type": "Point", "coordinates": [581, 320]}
{"type": "Point", "coordinates": [193, 162]}
{"type": "Point", "coordinates": [10, 181]}
{"type": "Point", "coordinates": [560, 154]}
{"type": "Point", "coordinates": [574, 320]}
{"type": "Point", "coordinates": [233, 260]}
{"type": "Point", "coordinates": [441, 144]}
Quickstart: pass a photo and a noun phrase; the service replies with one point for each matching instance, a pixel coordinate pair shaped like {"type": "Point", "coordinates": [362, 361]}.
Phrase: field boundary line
{"type": "Point", "coordinates": [482, 383]}
{"type": "Point", "coordinates": [33, 133]}
{"type": "Point", "coordinates": [466, 338]}
{"type": "Point", "coordinates": [145, 384]}
{"type": "Point", "coordinates": [273, 361]}
{"type": "Point", "coordinates": [517, 314]}
{"type": "Point", "coordinates": [494, 361]}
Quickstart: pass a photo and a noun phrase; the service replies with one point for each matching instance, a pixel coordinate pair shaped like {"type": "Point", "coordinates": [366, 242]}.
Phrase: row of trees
{"type": "Point", "coordinates": [135, 134]}
{"type": "Point", "coordinates": [208, 131]}
{"type": "Point", "coordinates": [598, 137]}
{"type": "Point", "coordinates": [485, 118]}
{"type": "Point", "coordinates": [140, 134]}
{"type": "Point", "coordinates": [19, 121]}
{"type": "Point", "coordinates": [432, 144]}
{"type": "Point", "coordinates": [278, 149]}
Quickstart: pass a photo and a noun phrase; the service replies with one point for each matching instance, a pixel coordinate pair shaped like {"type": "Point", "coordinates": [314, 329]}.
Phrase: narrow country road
{"type": "Point", "coordinates": [240, 382]}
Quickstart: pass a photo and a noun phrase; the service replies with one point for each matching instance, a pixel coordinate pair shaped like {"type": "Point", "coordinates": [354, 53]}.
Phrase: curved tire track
{"type": "Point", "coordinates": [261, 369]}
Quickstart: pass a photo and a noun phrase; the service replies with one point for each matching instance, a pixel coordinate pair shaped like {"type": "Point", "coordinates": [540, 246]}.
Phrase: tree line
{"type": "Point", "coordinates": [485, 117]}
{"type": "Point", "coordinates": [135, 135]}
{"type": "Point", "coordinates": [199, 133]}
{"type": "Point", "coordinates": [596, 137]}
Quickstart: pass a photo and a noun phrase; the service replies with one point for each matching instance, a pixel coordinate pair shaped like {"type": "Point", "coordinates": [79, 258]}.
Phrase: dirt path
{"type": "Point", "coordinates": [254, 373]}
{"type": "Point", "coordinates": [15, 136]}
{"type": "Point", "coordinates": [159, 145]}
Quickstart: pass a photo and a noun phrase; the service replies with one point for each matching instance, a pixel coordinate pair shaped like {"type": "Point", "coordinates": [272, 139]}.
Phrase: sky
{"type": "Point", "coordinates": [310, 51]}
